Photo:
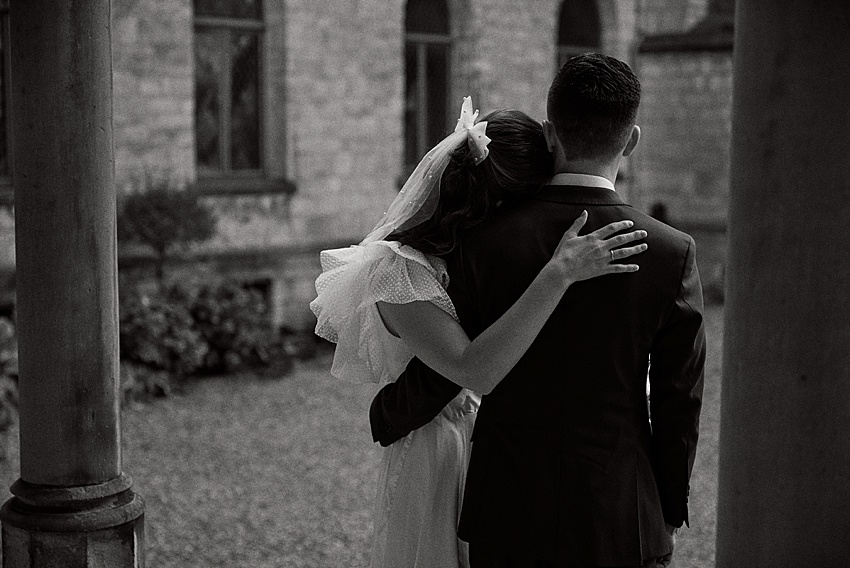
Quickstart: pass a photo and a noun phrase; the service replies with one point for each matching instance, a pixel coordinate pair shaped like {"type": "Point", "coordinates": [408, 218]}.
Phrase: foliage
{"type": "Point", "coordinates": [164, 218]}
{"type": "Point", "coordinates": [232, 320]}
{"type": "Point", "coordinates": [158, 332]}
{"type": "Point", "coordinates": [217, 327]}
{"type": "Point", "coordinates": [8, 383]}
{"type": "Point", "coordinates": [303, 345]}
{"type": "Point", "coordinates": [140, 383]}
{"type": "Point", "coordinates": [8, 349]}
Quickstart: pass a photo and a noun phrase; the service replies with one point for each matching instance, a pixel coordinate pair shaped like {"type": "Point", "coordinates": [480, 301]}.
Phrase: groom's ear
{"type": "Point", "coordinates": [634, 138]}
{"type": "Point", "coordinates": [550, 136]}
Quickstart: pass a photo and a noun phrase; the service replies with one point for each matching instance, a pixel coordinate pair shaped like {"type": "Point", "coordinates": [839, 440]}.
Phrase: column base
{"type": "Point", "coordinates": [90, 526]}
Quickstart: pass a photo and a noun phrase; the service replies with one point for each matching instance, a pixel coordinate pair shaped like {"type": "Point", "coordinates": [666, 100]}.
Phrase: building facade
{"type": "Point", "coordinates": [298, 119]}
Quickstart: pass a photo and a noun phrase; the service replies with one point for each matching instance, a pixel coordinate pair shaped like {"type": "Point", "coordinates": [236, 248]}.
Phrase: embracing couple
{"type": "Point", "coordinates": [515, 306]}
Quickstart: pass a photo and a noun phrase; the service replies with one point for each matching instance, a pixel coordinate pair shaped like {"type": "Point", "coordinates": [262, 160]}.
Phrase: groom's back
{"type": "Point", "coordinates": [598, 322]}
{"type": "Point", "coordinates": [562, 460]}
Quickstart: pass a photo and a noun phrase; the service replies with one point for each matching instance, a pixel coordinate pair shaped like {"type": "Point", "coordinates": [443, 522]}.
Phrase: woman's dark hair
{"type": "Point", "coordinates": [519, 163]}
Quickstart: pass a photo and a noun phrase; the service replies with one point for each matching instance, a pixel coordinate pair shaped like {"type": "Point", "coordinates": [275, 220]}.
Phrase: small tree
{"type": "Point", "coordinates": [164, 218]}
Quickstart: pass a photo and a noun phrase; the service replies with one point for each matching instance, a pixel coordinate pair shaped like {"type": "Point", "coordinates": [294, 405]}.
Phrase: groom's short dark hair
{"type": "Point", "coordinates": [592, 105]}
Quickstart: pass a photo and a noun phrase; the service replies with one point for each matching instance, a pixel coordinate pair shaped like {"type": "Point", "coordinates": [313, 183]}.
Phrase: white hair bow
{"type": "Point", "coordinates": [476, 135]}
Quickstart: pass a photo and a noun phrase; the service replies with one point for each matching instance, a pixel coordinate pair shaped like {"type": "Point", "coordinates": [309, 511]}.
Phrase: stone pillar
{"type": "Point", "coordinates": [784, 487]}
{"type": "Point", "coordinates": [72, 507]}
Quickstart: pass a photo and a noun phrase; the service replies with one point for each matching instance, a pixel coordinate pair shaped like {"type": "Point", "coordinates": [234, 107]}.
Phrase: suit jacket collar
{"type": "Point", "coordinates": [579, 195]}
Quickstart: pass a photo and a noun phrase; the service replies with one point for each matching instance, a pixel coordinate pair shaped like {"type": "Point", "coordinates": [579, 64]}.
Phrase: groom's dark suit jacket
{"type": "Point", "coordinates": [565, 464]}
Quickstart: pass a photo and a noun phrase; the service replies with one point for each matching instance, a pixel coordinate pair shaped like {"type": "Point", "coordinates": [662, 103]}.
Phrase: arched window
{"type": "Point", "coordinates": [228, 36]}
{"type": "Point", "coordinates": [426, 59]}
{"type": "Point", "coordinates": [578, 29]}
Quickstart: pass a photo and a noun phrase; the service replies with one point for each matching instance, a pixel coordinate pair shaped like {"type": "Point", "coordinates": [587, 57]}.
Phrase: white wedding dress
{"type": "Point", "coordinates": [421, 478]}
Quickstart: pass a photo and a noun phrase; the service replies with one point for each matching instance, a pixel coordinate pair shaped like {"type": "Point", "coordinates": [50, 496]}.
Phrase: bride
{"type": "Point", "coordinates": [386, 300]}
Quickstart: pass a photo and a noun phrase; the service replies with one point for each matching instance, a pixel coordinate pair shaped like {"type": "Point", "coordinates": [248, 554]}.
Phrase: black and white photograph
{"type": "Point", "coordinates": [424, 284]}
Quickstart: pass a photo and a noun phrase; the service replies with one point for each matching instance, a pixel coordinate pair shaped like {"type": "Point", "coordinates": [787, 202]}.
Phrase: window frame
{"type": "Point", "coordinates": [216, 180]}
{"type": "Point", "coordinates": [421, 41]}
{"type": "Point", "coordinates": [563, 51]}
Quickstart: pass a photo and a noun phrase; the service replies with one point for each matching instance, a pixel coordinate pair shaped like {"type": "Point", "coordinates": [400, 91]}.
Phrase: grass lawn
{"type": "Point", "coordinates": [250, 473]}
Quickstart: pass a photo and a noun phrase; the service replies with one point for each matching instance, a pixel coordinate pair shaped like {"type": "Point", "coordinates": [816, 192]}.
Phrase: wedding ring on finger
{"type": "Point", "coordinates": [612, 255]}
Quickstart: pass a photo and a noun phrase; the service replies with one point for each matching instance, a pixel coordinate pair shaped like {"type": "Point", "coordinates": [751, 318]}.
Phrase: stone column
{"type": "Point", "coordinates": [72, 507]}
{"type": "Point", "coordinates": [784, 494]}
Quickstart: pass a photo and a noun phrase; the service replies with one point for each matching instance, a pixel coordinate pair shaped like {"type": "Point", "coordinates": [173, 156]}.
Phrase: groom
{"type": "Point", "coordinates": [566, 468]}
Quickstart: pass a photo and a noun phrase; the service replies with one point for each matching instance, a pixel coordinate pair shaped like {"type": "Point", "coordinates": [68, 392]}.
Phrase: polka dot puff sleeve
{"type": "Point", "coordinates": [353, 280]}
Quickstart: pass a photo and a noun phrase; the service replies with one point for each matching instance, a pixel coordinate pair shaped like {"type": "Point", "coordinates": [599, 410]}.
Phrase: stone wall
{"type": "Point", "coordinates": [516, 45]}
{"type": "Point", "coordinates": [685, 120]}
{"type": "Point", "coordinates": [338, 93]}
{"type": "Point", "coordinates": [153, 89]}
{"type": "Point", "coordinates": [343, 108]}
{"type": "Point", "coordinates": [515, 54]}
{"type": "Point", "coordinates": [331, 87]}
{"type": "Point", "coordinates": [685, 117]}
{"type": "Point", "coordinates": [331, 124]}
{"type": "Point", "coordinates": [669, 16]}
{"type": "Point", "coordinates": [332, 118]}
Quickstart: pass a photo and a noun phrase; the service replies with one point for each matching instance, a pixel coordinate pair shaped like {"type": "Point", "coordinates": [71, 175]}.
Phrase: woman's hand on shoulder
{"type": "Point", "coordinates": [595, 254]}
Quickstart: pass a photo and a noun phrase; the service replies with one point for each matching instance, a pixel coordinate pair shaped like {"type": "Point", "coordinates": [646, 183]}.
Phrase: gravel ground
{"type": "Point", "coordinates": [695, 545]}
{"type": "Point", "coordinates": [243, 472]}
{"type": "Point", "coordinates": [256, 473]}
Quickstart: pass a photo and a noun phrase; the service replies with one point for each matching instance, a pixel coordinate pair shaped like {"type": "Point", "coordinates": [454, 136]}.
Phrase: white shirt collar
{"type": "Point", "coordinates": [584, 180]}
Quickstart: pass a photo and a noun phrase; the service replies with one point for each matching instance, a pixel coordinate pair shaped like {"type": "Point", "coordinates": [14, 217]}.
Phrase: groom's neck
{"type": "Point", "coordinates": [603, 168]}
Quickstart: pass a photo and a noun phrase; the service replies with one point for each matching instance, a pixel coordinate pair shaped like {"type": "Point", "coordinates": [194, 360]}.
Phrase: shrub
{"type": "Point", "coordinates": [233, 321]}
{"type": "Point", "coordinates": [8, 349]}
{"type": "Point", "coordinates": [141, 384]}
{"type": "Point", "coordinates": [8, 383]}
{"type": "Point", "coordinates": [158, 332]}
{"type": "Point", "coordinates": [164, 218]}
{"type": "Point", "coordinates": [302, 344]}
{"type": "Point", "coordinates": [214, 328]}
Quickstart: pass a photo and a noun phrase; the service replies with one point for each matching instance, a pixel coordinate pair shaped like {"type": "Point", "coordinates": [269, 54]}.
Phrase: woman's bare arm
{"type": "Point", "coordinates": [441, 343]}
